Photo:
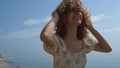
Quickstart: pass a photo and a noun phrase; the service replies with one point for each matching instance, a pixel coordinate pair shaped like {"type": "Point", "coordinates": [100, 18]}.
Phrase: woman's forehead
{"type": "Point", "coordinates": [74, 8]}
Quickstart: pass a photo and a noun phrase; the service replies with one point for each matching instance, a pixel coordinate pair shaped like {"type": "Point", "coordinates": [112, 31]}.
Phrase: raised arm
{"type": "Point", "coordinates": [47, 33]}
{"type": "Point", "coordinates": [102, 45]}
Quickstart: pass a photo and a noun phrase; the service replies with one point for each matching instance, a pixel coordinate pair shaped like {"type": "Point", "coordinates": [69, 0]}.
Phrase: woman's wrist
{"type": "Point", "coordinates": [55, 16]}
{"type": "Point", "coordinates": [54, 20]}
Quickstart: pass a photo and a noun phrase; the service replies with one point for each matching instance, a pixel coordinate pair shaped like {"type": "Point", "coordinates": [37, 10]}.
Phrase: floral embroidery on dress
{"type": "Point", "coordinates": [64, 59]}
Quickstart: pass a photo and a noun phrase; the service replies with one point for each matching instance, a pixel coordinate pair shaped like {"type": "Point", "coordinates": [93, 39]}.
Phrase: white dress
{"type": "Point", "coordinates": [63, 58]}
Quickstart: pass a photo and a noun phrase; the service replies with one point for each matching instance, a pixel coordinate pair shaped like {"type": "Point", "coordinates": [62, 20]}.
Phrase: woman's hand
{"type": "Point", "coordinates": [55, 16]}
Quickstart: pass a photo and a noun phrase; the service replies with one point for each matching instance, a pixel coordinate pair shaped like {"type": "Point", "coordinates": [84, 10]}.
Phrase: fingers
{"type": "Point", "coordinates": [55, 15]}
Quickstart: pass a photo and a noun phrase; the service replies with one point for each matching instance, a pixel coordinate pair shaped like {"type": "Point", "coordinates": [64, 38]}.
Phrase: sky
{"type": "Point", "coordinates": [21, 22]}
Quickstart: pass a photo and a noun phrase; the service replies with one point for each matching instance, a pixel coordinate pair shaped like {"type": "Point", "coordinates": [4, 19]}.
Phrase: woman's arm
{"type": "Point", "coordinates": [47, 33]}
{"type": "Point", "coordinates": [102, 45]}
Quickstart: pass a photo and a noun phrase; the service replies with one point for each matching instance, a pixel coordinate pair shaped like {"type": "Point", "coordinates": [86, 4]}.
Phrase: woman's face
{"type": "Point", "coordinates": [74, 17]}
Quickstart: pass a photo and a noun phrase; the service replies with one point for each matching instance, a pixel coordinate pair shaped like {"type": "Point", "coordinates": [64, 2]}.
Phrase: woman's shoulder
{"type": "Point", "coordinates": [90, 40]}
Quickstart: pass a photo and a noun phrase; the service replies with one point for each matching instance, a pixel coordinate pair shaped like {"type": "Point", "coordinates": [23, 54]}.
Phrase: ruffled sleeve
{"type": "Point", "coordinates": [90, 44]}
{"type": "Point", "coordinates": [52, 50]}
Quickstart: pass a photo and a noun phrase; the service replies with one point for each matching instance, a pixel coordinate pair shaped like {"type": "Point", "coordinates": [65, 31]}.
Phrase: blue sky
{"type": "Point", "coordinates": [21, 22]}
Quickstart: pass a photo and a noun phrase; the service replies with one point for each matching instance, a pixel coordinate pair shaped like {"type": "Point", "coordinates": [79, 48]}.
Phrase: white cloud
{"type": "Point", "coordinates": [36, 21]}
{"type": "Point", "coordinates": [111, 30]}
{"type": "Point", "coordinates": [99, 25]}
{"type": "Point", "coordinates": [22, 34]}
{"type": "Point", "coordinates": [100, 17]}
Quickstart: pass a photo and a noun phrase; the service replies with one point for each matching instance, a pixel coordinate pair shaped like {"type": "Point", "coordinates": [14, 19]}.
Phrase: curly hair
{"type": "Point", "coordinates": [63, 10]}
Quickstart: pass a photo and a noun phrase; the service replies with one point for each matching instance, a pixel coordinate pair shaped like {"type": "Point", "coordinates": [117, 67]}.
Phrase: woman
{"type": "Point", "coordinates": [65, 36]}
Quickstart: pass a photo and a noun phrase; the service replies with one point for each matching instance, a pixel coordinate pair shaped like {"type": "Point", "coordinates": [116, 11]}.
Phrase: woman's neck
{"type": "Point", "coordinates": [71, 32]}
